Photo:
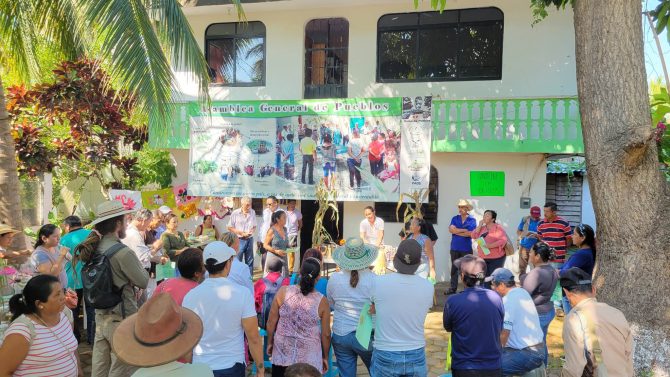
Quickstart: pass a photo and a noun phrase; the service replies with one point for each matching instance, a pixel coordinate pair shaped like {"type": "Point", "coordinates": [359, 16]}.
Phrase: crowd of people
{"type": "Point", "coordinates": [209, 318]}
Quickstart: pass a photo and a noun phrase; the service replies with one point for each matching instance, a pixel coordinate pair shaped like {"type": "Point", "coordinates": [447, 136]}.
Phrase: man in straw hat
{"type": "Point", "coordinates": [402, 301]}
{"type": "Point", "coordinates": [109, 227]}
{"type": "Point", "coordinates": [460, 228]}
{"type": "Point", "coordinates": [160, 333]}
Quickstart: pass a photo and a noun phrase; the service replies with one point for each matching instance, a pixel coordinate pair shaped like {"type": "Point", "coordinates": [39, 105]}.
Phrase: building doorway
{"type": "Point", "coordinates": [308, 209]}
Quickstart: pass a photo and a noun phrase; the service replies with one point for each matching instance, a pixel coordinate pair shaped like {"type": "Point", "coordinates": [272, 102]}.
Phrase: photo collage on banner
{"type": "Point", "coordinates": [366, 149]}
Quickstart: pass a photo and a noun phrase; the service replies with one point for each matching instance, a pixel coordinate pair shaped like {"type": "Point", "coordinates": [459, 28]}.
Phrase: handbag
{"type": "Point", "coordinates": [509, 248]}
{"type": "Point", "coordinates": [594, 360]}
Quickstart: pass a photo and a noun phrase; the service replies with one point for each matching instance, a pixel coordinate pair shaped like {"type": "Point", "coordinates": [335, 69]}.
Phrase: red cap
{"type": "Point", "coordinates": [535, 211]}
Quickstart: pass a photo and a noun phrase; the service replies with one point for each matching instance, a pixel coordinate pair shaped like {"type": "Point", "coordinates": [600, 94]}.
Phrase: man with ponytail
{"type": "Point", "coordinates": [474, 317]}
{"type": "Point", "coordinates": [127, 272]}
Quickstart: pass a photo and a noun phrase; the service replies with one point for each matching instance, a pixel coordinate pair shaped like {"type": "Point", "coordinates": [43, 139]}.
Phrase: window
{"type": "Point", "coordinates": [235, 53]}
{"type": "Point", "coordinates": [326, 58]}
{"type": "Point", "coordinates": [453, 45]}
{"type": "Point", "coordinates": [387, 210]}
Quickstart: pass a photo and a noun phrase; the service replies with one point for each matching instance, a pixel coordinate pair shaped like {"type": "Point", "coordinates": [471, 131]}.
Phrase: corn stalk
{"type": "Point", "coordinates": [411, 209]}
{"type": "Point", "coordinates": [325, 198]}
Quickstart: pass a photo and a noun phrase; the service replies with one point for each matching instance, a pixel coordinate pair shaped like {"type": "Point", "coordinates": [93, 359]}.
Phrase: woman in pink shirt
{"type": "Point", "coordinates": [192, 270]}
{"type": "Point", "coordinates": [491, 239]}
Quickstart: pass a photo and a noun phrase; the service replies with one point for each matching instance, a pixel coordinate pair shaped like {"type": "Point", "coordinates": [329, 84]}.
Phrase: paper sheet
{"type": "Point", "coordinates": [364, 329]}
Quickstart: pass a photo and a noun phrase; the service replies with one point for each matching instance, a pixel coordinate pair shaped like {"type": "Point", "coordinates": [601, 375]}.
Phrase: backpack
{"type": "Point", "coordinates": [96, 276]}
{"type": "Point", "coordinates": [268, 296]}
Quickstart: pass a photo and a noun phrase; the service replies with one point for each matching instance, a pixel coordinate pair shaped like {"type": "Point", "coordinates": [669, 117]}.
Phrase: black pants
{"type": "Point", "coordinates": [491, 265]}
{"type": "Point", "coordinates": [308, 160]}
{"type": "Point", "coordinates": [456, 254]}
{"type": "Point", "coordinates": [354, 173]}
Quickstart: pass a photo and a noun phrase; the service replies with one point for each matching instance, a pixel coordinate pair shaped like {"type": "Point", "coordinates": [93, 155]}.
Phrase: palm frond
{"type": "Point", "coordinates": [17, 34]}
{"type": "Point", "coordinates": [132, 54]}
{"type": "Point", "coordinates": [61, 25]}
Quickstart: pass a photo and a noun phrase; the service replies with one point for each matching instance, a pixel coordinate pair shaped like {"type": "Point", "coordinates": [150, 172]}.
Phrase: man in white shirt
{"type": "Point", "coordinates": [243, 223]}
{"type": "Point", "coordinates": [135, 240]}
{"type": "Point", "coordinates": [372, 228]}
{"type": "Point", "coordinates": [521, 337]}
{"type": "Point", "coordinates": [401, 301]}
{"type": "Point", "coordinates": [293, 224]}
{"type": "Point", "coordinates": [227, 312]}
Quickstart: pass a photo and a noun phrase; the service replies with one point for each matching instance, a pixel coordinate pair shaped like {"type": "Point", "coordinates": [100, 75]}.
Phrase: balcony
{"type": "Point", "coordinates": [528, 125]}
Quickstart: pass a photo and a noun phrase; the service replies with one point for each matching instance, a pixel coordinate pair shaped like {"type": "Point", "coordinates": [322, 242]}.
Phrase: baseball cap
{"type": "Point", "coordinates": [407, 257]}
{"type": "Point", "coordinates": [535, 211]}
{"type": "Point", "coordinates": [574, 276]}
{"type": "Point", "coordinates": [164, 210]}
{"type": "Point", "coordinates": [471, 265]}
{"type": "Point", "coordinates": [219, 251]}
{"type": "Point", "coordinates": [501, 275]}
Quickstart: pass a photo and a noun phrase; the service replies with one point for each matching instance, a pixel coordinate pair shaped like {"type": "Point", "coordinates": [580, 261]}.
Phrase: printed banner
{"type": "Point", "coordinates": [129, 199]}
{"type": "Point", "coordinates": [181, 194]}
{"type": "Point", "coordinates": [154, 199]}
{"type": "Point", "coordinates": [368, 149]}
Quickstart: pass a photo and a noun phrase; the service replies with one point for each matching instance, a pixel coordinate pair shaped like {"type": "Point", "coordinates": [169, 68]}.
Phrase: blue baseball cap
{"type": "Point", "coordinates": [501, 275]}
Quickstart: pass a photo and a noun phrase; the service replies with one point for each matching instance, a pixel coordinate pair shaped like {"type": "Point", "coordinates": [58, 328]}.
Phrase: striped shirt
{"type": "Point", "coordinates": [555, 234]}
{"type": "Point", "coordinates": [47, 356]}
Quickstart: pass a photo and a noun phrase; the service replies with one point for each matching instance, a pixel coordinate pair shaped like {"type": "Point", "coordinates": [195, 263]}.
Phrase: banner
{"type": "Point", "coordinates": [154, 199]}
{"type": "Point", "coordinates": [368, 149]}
{"type": "Point", "coordinates": [129, 199]}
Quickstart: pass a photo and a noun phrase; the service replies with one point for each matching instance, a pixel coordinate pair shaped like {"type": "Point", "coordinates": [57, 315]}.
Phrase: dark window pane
{"type": "Point", "coordinates": [326, 58]}
{"type": "Point", "coordinates": [438, 63]}
{"type": "Point", "coordinates": [481, 54]}
{"type": "Point", "coordinates": [217, 30]}
{"type": "Point", "coordinates": [437, 18]}
{"type": "Point", "coordinates": [397, 55]}
{"type": "Point", "coordinates": [250, 60]}
{"type": "Point", "coordinates": [221, 60]}
{"type": "Point", "coordinates": [236, 53]}
{"type": "Point", "coordinates": [399, 20]}
{"type": "Point", "coordinates": [481, 14]}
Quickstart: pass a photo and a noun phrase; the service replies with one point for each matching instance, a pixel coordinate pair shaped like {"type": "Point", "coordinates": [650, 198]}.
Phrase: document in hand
{"type": "Point", "coordinates": [364, 329]}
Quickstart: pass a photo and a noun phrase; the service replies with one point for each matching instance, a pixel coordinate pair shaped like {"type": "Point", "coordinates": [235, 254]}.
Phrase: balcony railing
{"type": "Point", "coordinates": [529, 125]}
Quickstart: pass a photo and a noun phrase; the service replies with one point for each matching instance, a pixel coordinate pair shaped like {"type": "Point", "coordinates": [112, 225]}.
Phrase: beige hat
{"type": "Point", "coordinates": [465, 203]}
{"type": "Point", "coordinates": [4, 229]}
{"type": "Point", "coordinates": [109, 210]}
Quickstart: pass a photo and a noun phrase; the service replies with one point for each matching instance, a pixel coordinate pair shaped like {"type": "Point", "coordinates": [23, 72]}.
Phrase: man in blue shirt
{"type": "Point", "coordinates": [475, 319]}
{"type": "Point", "coordinates": [527, 236]}
{"type": "Point", "coordinates": [461, 244]}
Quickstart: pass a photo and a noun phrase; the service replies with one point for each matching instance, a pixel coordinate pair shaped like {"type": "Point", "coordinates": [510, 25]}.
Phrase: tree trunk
{"type": "Point", "coordinates": [10, 198]}
{"type": "Point", "coordinates": [630, 197]}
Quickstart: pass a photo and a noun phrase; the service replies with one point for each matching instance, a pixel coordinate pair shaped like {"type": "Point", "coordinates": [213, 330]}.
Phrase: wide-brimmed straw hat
{"type": "Point", "coordinates": [109, 210]}
{"type": "Point", "coordinates": [4, 229]}
{"type": "Point", "coordinates": [465, 203]}
{"type": "Point", "coordinates": [159, 333]}
{"type": "Point", "coordinates": [355, 254]}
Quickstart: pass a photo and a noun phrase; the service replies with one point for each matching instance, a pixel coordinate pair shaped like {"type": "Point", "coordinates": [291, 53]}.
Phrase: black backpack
{"type": "Point", "coordinates": [268, 296]}
{"type": "Point", "coordinates": [96, 276]}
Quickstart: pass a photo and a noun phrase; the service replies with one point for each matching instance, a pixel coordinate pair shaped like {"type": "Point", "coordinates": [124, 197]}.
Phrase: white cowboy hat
{"type": "Point", "coordinates": [110, 209]}
{"type": "Point", "coordinates": [355, 254]}
{"type": "Point", "coordinates": [465, 203]}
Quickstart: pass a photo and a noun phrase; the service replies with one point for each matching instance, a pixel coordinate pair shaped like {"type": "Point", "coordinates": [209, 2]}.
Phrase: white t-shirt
{"type": "Point", "coordinates": [356, 145]}
{"type": "Point", "coordinates": [370, 231]}
{"type": "Point", "coordinates": [402, 303]}
{"type": "Point", "coordinates": [221, 305]}
{"type": "Point", "coordinates": [521, 320]}
{"type": "Point", "coordinates": [347, 302]}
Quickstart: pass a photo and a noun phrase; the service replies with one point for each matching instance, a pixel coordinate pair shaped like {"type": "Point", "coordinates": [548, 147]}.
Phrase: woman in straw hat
{"type": "Point", "coordinates": [7, 234]}
{"type": "Point", "coordinates": [348, 292]}
{"type": "Point", "coordinates": [160, 333]}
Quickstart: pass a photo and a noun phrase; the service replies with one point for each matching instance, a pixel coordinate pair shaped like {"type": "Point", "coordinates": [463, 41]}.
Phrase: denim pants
{"type": "Point", "coordinates": [246, 253]}
{"type": "Point", "coordinates": [308, 160]}
{"type": "Point", "coordinates": [566, 305]}
{"type": "Point", "coordinates": [545, 320]}
{"type": "Point", "coordinates": [354, 173]}
{"type": "Point", "coordinates": [237, 370]}
{"type": "Point", "coordinates": [399, 363]}
{"type": "Point", "coordinates": [519, 362]}
{"type": "Point", "coordinates": [347, 350]}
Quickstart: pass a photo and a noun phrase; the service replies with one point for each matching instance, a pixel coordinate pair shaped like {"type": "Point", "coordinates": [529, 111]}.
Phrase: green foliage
{"type": "Point", "coordinates": [435, 4]}
{"type": "Point", "coordinates": [660, 115]}
{"type": "Point", "coordinates": [153, 166]}
{"type": "Point", "coordinates": [662, 17]}
{"type": "Point", "coordinates": [539, 7]}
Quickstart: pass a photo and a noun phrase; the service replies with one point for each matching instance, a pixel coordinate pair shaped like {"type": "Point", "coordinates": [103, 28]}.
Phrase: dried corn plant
{"type": "Point", "coordinates": [325, 198]}
{"type": "Point", "coordinates": [411, 209]}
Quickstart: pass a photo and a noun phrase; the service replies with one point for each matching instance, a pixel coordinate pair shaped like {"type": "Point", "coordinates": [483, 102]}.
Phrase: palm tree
{"type": "Point", "coordinates": [137, 42]}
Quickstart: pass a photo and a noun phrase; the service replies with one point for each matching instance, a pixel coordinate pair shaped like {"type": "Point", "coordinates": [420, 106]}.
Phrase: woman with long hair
{"type": "Point", "coordinates": [40, 340]}
{"type": "Point", "coordinates": [276, 241]}
{"type": "Point", "coordinates": [584, 237]}
{"type": "Point", "coordinates": [540, 283]}
{"type": "Point", "coordinates": [348, 292]}
{"type": "Point", "coordinates": [301, 317]}
{"type": "Point", "coordinates": [207, 228]}
{"type": "Point", "coordinates": [49, 256]}
{"type": "Point", "coordinates": [491, 239]}
{"type": "Point", "coordinates": [322, 283]}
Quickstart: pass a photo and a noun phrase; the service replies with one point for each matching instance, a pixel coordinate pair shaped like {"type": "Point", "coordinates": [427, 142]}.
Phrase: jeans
{"type": "Point", "coordinates": [308, 160]}
{"type": "Point", "coordinates": [347, 349]}
{"type": "Point", "coordinates": [519, 362]}
{"type": "Point", "coordinates": [545, 320]}
{"type": "Point", "coordinates": [236, 370]}
{"type": "Point", "coordinates": [456, 254]}
{"type": "Point", "coordinates": [399, 363]}
{"type": "Point", "coordinates": [566, 305]}
{"type": "Point", "coordinates": [354, 173]}
{"type": "Point", "coordinates": [246, 253]}
{"type": "Point", "coordinates": [491, 265]}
